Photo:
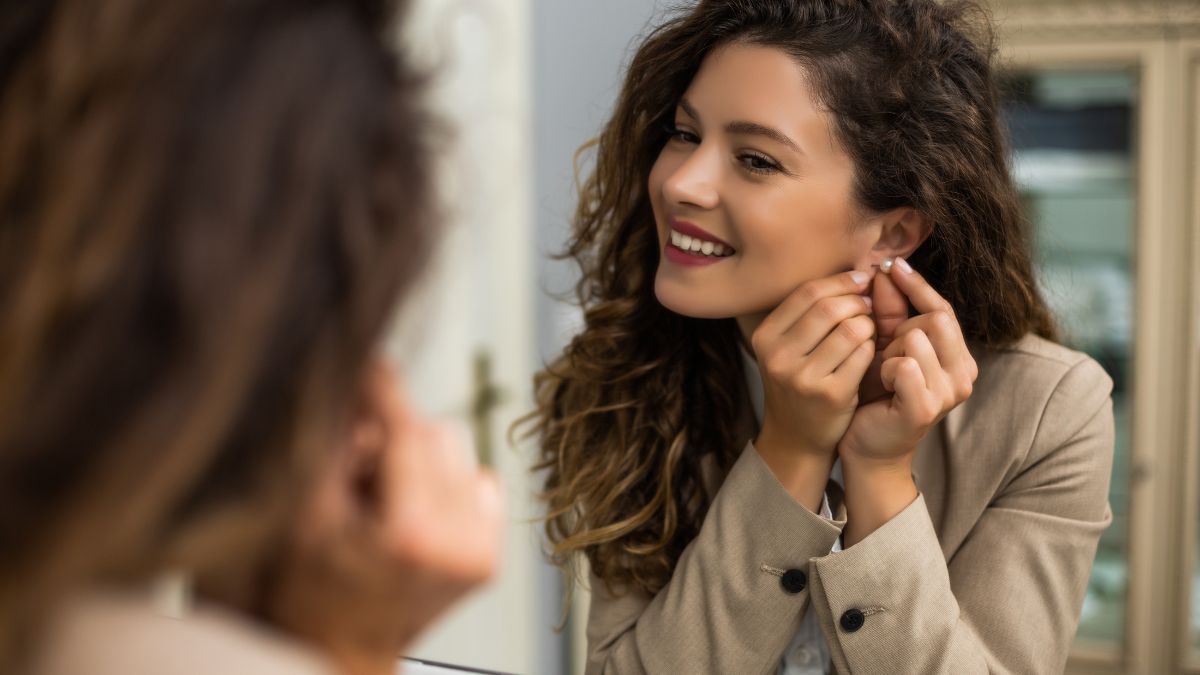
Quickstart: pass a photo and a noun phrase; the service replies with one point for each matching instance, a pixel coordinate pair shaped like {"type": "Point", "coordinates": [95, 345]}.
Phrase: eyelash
{"type": "Point", "coordinates": [771, 167]}
{"type": "Point", "coordinates": [674, 133]}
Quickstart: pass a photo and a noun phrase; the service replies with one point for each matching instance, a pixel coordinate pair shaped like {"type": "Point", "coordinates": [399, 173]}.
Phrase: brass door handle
{"type": "Point", "coordinates": [485, 396]}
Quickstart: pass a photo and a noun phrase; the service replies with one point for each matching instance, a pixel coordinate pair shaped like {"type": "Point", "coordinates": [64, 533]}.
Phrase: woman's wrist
{"type": "Point", "coordinates": [876, 490]}
{"type": "Point", "coordinates": [802, 472]}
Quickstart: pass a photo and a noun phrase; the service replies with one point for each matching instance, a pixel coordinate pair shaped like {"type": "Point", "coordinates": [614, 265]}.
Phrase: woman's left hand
{"type": "Point", "coordinates": [926, 366]}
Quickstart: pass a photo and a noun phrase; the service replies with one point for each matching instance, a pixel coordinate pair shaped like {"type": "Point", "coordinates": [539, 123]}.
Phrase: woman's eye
{"type": "Point", "coordinates": [756, 163]}
{"type": "Point", "coordinates": [677, 134]}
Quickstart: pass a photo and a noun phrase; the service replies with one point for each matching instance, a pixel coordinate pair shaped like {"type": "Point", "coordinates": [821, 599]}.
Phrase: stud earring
{"type": "Point", "coordinates": [886, 265]}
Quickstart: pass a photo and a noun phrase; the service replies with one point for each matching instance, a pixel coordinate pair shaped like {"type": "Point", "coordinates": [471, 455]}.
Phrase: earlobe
{"type": "Point", "coordinates": [903, 231]}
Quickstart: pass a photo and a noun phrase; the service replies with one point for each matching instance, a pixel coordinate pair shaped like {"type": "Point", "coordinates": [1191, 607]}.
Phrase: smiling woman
{"type": "Point", "coordinates": [816, 419]}
{"type": "Point", "coordinates": [752, 159]}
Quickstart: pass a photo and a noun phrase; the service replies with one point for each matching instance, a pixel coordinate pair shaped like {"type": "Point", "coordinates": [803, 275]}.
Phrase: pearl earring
{"type": "Point", "coordinates": [886, 265]}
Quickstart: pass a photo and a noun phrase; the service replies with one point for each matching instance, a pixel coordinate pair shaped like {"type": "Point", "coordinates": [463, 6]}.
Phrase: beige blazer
{"type": "Point", "coordinates": [984, 572]}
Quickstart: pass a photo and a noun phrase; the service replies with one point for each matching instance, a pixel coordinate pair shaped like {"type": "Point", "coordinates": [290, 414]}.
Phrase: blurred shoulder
{"type": "Point", "coordinates": [109, 632]}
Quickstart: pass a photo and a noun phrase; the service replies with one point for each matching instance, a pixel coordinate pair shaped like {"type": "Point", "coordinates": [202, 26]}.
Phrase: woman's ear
{"type": "Point", "coordinates": [346, 488]}
{"type": "Point", "coordinates": [901, 232]}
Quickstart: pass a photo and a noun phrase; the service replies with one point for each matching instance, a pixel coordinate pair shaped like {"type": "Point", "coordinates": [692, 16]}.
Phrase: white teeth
{"type": "Point", "coordinates": [699, 246]}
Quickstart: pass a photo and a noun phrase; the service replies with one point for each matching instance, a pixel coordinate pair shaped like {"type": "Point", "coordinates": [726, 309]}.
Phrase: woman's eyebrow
{"type": "Point", "coordinates": [744, 127]}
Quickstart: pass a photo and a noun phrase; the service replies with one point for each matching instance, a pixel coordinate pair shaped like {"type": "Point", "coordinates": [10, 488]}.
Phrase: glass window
{"type": "Point", "coordinates": [1074, 164]}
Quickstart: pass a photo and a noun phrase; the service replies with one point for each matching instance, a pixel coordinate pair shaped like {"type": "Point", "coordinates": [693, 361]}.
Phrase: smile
{"type": "Point", "coordinates": [698, 246]}
{"type": "Point", "coordinates": [690, 246]}
{"type": "Point", "coordinates": [695, 242]}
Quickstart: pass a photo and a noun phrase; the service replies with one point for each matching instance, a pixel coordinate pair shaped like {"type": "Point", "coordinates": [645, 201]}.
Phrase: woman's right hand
{"type": "Point", "coordinates": [402, 525]}
{"type": "Point", "coordinates": [813, 351]}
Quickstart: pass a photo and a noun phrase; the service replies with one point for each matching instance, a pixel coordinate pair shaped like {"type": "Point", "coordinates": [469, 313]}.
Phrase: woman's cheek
{"type": "Point", "coordinates": [658, 174]}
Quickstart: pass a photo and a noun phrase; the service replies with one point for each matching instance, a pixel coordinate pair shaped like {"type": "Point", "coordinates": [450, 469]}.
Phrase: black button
{"type": "Point", "coordinates": [794, 581]}
{"type": "Point", "coordinates": [852, 620]}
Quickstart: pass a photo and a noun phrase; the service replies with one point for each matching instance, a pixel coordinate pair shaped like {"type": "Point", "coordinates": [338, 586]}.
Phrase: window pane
{"type": "Point", "coordinates": [1074, 164]}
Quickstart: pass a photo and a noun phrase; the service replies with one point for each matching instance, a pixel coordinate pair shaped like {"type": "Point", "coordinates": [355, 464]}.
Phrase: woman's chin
{"type": "Point", "coordinates": [691, 303]}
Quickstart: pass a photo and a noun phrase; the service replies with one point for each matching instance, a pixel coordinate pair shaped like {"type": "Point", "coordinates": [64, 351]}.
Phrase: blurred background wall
{"type": "Point", "coordinates": [1102, 99]}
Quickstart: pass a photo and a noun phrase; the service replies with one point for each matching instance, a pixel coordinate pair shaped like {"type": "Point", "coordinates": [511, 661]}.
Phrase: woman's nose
{"type": "Point", "coordinates": [694, 181]}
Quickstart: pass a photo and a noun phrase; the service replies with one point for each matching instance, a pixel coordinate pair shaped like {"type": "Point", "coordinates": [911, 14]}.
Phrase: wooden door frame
{"type": "Point", "coordinates": [1189, 60]}
{"type": "Point", "coordinates": [1152, 260]}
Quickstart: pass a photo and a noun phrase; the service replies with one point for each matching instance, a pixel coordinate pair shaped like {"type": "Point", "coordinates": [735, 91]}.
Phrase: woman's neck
{"type": "Point", "coordinates": [746, 326]}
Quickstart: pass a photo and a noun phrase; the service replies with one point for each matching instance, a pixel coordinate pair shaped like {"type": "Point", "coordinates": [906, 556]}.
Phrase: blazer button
{"type": "Point", "coordinates": [794, 581]}
{"type": "Point", "coordinates": [852, 620]}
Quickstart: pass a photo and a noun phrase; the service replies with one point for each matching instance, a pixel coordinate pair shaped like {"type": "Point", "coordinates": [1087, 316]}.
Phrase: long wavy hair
{"type": "Point", "coordinates": [642, 395]}
{"type": "Point", "coordinates": [208, 211]}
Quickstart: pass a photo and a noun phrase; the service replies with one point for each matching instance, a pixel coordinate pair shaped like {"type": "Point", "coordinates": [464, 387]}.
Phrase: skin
{"type": "Point", "coordinates": [401, 525]}
{"type": "Point", "coordinates": [846, 372]}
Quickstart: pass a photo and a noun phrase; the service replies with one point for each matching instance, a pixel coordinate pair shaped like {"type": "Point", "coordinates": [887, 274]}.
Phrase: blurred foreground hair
{"type": "Point", "coordinates": [208, 210]}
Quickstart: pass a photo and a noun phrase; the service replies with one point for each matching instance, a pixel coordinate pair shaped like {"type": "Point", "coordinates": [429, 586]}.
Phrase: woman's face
{"type": "Point", "coordinates": [754, 165]}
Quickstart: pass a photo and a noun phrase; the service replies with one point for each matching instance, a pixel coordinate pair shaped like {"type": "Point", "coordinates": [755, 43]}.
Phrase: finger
{"type": "Point", "coordinates": [958, 365]}
{"type": "Point", "coordinates": [823, 320]}
{"type": "Point", "coordinates": [917, 345]}
{"type": "Point", "coordinates": [460, 441]}
{"type": "Point", "coordinates": [481, 552]}
{"type": "Point", "coordinates": [890, 309]}
{"type": "Point", "coordinates": [840, 343]}
{"type": "Point", "coordinates": [491, 496]}
{"type": "Point", "coordinates": [799, 301]}
{"type": "Point", "coordinates": [902, 375]}
{"type": "Point", "coordinates": [855, 367]}
{"type": "Point", "coordinates": [943, 331]}
{"type": "Point", "coordinates": [910, 282]}
{"type": "Point", "coordinates": [871, 386]}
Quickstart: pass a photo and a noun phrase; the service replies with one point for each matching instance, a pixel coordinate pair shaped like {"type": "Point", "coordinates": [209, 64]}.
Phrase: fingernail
{"type": "Point", "coordinates": [869, 301]}
{"type": "Point", "coordinates": [859, 277]}
{"type": "Point", "coordinates": [903, 264]}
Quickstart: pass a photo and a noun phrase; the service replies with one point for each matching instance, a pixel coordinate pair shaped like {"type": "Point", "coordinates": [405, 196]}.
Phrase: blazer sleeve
{"type": "Point", "coordinates": [737, 594]}
{"type": "Point", "coordinates": [1008, 600]}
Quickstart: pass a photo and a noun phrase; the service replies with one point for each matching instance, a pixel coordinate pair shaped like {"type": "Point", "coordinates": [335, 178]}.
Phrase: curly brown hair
{"type": "Point", "coordinates": [641, 395]}
{"type": "Point", "coordinates": [208, 211]}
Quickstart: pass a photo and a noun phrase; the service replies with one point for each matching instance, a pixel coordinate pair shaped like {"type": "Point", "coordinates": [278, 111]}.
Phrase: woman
{"type": "Point", "coordinates": [770, 460]}
{"type": "Point", "coordinates": [210, 210]}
